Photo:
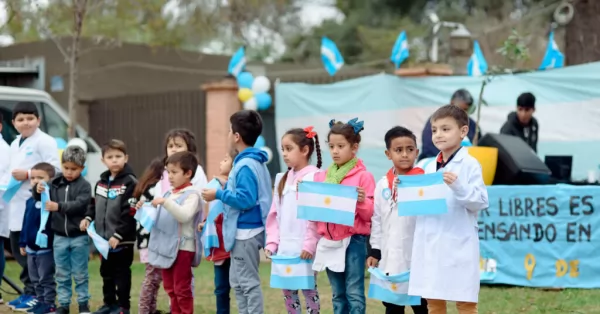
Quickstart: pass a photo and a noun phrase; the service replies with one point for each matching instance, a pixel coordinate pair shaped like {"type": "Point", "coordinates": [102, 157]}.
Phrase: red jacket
{"type": "Point", "coordinates": [218, 253]}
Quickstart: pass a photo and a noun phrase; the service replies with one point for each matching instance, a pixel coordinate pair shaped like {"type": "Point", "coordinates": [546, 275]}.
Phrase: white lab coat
{"type": "Point", "coordinates": [445, 257]}
{"type": "Point", "coordinates": [39, 147]}
{"type": "Point", "coordinates": [4, 166]}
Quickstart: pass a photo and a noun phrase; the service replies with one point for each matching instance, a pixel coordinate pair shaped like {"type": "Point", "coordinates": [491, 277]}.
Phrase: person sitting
{"type": "Point", "coordinates": [521, 123]}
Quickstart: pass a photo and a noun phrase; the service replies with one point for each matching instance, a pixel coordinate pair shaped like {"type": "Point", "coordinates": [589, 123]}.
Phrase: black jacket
{"type": "Point", "coordinates": [114, 206]}
{"type": "Point", "coordinates": [528, 133]}
{"type": "Point", "coordinates": [73, 199]}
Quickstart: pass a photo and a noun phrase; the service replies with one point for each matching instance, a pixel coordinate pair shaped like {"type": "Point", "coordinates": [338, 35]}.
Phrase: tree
{"type": "Point", "coordinates": [582, 44]}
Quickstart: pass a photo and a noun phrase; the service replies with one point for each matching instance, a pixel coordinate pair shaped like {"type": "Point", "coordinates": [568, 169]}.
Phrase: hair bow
{"type": "Point", "coordinates": [356, 125]}
{"type": "Point", "coordinates": [309, 132]}
{"type": "Point", "coordinates": [331, 123]}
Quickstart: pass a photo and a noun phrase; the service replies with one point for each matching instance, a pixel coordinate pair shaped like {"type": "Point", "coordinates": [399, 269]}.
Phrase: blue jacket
{"type": "Point", "coordinates": [247, 195]}
{"type": "Point", "coordinates": [31, 225]}
{"type": "Point", "coordinates": [429, 150]}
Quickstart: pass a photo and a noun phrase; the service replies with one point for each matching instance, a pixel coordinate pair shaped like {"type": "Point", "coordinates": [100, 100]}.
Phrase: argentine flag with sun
{"type": "Point", "coordinates": [326, 202]}
{"type": "Point", "coordinates": [292, 273]}
{"type": "Point", "coordinates": [422, 195]}
{"type": "Point", "coordinates": [391, 289]}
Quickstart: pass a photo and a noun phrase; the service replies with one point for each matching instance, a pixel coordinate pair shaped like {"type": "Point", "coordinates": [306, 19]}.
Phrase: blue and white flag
{"type": "Point", "coordinates": [422, 195]}
{"type": "Point", "coordinates": [237, 64]}
{"type": "Point", "coordinates": [331, 56]}
{"type": "Point", "coordinates": [391, 289]}
{"type": "Point", "coordinates": [400, 51]}
{"type": "Point", "coordinates": [100, 243]}
{"type": "Point", "coordinates": [477, 65]}
{"type": "Point", "coordinates": [11, 189]}
{"type": "Point", "coordinates": [209, 236]}
{"type": "Point", "coordinates": [292, 273]}
{"type": "Point", "coordinates": [553, 58]}
{"type": "Point", "coordinates": [41, 239]}
{"type": "Point", "coordinates": [146, 216]}
{"type": "Point", "coordinates": [326, 202]}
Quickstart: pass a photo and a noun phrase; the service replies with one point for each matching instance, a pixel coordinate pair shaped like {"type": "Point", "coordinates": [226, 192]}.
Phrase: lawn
{"type": "Point", "coordinates": [493, 300]}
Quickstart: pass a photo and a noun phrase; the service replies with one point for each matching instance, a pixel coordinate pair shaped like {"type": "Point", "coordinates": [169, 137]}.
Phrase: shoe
{"type": "Point", "coordinates": [22, 298]}
{"type": "Point", "coordinates": [36, 309]}
{"type": "Point", "coordinates": [120, 311]}
{"type": "Point", "coordinates": [84, 308]}
{"type": "Point", "coordinates": [42, 308]}
{"type": "Point", "coordinates": [63, 310]}
{"type": "Point", "coordinates": [26, 306]}
{"type": "Point", "coordinates": [107, 309]}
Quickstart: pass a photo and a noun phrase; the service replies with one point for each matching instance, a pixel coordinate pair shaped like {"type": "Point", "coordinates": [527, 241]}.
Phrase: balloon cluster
{"type": "Point", "coordinates": [254, 91]}
{"type": "Point", "coordinates": [262, 145]}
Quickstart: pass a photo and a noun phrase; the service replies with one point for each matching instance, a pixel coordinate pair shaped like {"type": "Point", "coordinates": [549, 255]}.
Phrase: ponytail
{"type": "Point", "coordinates": [281, 185]}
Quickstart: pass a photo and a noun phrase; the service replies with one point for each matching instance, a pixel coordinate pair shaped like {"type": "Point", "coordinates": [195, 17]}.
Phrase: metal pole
{"type": "Point", "coordinates": [12, 284]}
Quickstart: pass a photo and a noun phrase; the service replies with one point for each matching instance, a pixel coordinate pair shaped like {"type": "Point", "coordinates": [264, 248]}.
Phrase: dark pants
{"type": "Point", "coordinates": [399, 309]}
{"type": "Point", "coordinates": [116, 277]}
{"type": "Point", "coordinates": [177, 282]}
{"type": "Point", "coordinates": [222, 287]}
{"type": "Point", "coordinates": [41, 273]}
{"type": "Point", "coordinates": [22, 260]}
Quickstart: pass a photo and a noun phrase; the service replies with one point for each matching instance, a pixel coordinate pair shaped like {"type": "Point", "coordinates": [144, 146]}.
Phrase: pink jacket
{"type": "Point", "coordinates": [311, 237]}
{"type": "Point", "coordinates": [358, 176]}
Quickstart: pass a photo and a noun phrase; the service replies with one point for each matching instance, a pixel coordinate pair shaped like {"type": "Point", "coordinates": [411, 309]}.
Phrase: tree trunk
{"type": "Point", "coordinates": [583, 33]}
{"type": "Point", "coordinates": [79, 7]}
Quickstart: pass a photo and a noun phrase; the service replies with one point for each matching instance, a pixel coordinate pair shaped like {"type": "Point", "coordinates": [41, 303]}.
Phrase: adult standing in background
{"type": "Point", "coordinates": [462, 99]}
{"type": "Point", "coordinates": [521, 123]}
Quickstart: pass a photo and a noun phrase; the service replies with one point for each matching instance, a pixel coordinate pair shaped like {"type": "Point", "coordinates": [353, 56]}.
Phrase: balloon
{"type": "Point", "coordinates": [263, 101]}
{"type": "Point", "coordinates": [245, 80]}
{"type": "Point", "coordinates": [251, 104]}
{"type": "Point", "coordinates": [260, 142]}
{"type": "Point", "coordinates": [244, 94]}
{"type": "Point", "coordinates": [261, 84]}
{"type": "Point", "coordinates": [61, 143]}
{"type": "Point", "coordinates": [269, 152]}
{"type": "Point", "coordinates": [79, 143]}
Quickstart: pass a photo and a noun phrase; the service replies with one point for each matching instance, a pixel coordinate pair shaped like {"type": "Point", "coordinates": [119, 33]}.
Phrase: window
{"type": "Point", "coordinates": [9, 133]}
{"type": "Point", "coordinates": [53, 124]}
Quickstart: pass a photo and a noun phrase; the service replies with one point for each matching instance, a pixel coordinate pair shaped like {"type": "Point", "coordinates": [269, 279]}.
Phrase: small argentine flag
{"type": "Point", "coordinates": [477, 65]}
{"type": "Point", "coordinates": [11, 189]}
{"type": "Point", "coordinates": [422, 195]}
{"type": "Point", "coordinates": [400, 51]}
{"type": "Point", "coordinates": [209, 236]}
{"type": "Point", "coordinates": [331, 56]}
{"type": "Point", "coordinates": [553, 58]}
{"type": "Point", "coordinates": [237, 64]}
{"type": "Point", "coordinates": [100, 243]}
{"type": "Point", "coordinates": [326, 202]}
{"type": "Point", "coordinates": [292, 273]}
{"type": "Point", "coordinates": [146, 216]}
{"type": "Point", "coordinates": [391, 289]}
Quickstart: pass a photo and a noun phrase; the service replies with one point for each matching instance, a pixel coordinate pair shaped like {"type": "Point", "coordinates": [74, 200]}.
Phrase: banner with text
{"type": "Point", "coordinates": [541, 236]}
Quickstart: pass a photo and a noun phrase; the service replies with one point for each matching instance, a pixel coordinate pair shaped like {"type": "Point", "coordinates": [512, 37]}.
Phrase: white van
{"type": "Point", "coordinates": [54, 121]}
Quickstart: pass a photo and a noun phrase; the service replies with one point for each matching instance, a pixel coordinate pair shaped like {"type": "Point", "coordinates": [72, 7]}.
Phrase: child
{"type": "Point", "coordinates": [246, 200]}
{"type": "Point", "coordinates": [445, 257]}
{"type": "Point", "coordinates": [391, 235]}
{"type": "Point", "coordinates": [176, 229]}
{"type": "Point", "coordinates": [287, 235]}
{"type": "Point", "coordinates": [4, 165]}
{"type": "Point", "coordinates": [113, 213]}
{"type": "Point", "coordinates": [40, 261]}
{"type": "Point", "coordinates": [144, 192]}
{"type": "Point", "coordinates": [70, 196]}
{"type": "Point", "coordinates": [31, 147]}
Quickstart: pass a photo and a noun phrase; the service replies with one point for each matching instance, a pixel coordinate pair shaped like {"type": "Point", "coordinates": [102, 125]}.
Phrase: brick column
{"type": "Point", "coordinates": [221, 102]}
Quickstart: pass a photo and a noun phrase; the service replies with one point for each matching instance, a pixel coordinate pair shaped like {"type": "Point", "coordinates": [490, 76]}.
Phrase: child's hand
{"type": "Point", "coordinates": [396, 181]}
{"type": "Point", "coordinates": [158, 201]}
{"type": "Point", "coordinates": [449, 177]}
{"type": "Point", "coordinates": [139, 205]}
{"type": "Point", "coordinates": [361, 194]}
{"type": "Point", "coordinates": [23, 252]}
{"type": "Point", "coordinates": [84, 224]}
{"type": "Point", "coordinates": [372, 261]}
{"type": "Point", "coordinates": [268, 253]}
{"type": "Point", "coordinates": [209, 195]}
{"type": "Point", "coordinates": [305, 255]}
{"type": "Point", "coordinates": [201, 226]}
{"type": "Point", "coordinates": [113, 242]}
{"type": "Point", "coordinates": [19, 174]}
{"type": "Point", "coordinates": [51, 206]}
{"type": "Point", "coordinates": [40, 188]}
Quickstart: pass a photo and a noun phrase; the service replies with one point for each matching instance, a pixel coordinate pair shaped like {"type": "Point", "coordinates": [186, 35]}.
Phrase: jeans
{"type": "Point", "coordinates": [41, 272]}
{"type": "Point", "coordinates": [222, 287]}
{"type": "Point", "coordinates": [71, 258]}
{"type": "Point", "coordinates": [22, 260]}
{"type": "Point", "coordinates": [348, 288]}
{"type": "Point", "coordinates": [116, 277]}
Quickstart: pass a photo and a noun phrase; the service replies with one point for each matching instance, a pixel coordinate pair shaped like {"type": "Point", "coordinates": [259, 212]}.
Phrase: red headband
{"type": "Point", "coordinates": [309, 132]}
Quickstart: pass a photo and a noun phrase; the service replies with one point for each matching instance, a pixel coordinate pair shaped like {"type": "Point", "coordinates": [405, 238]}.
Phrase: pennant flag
{"type": "Point", "coordinates": [237, 64]}
{"type": "Point", "coordinates": [400, 51]}
{"type": "Point", "coordinates": [100, 243]}
{"type": "Point", "coordinates": [209, 236]}
{"type": "Point", "coordinates": [331, 56]}
{"type": "Point", "coordinates": [41, 239]}
{"type": "Point", "coordinates": [422, 195]}
{"type": "Point", "coordinates": [146, 216]}
{"type": "Point", "coordinates": [11, 189]}
{"type": "Point", "coordinates": [477, 65]}
{"type": "Point", "coordinates": [553, 58]}
{"type": "Point", "coordinates": [292, 273]}
{"type": "Point", "coordinates": [326, 202]}
{"type": "Point", "coordinates": [391, 289]}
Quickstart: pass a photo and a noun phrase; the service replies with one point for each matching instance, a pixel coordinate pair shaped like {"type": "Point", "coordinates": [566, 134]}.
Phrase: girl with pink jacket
{"type": "Point", "coordinates": [286, 234]}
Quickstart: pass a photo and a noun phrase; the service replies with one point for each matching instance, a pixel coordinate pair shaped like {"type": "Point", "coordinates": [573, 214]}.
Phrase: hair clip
{"type": "Point", "coordinates": [309, 132]}
{"type": "Point", "coordinates": [356, 125]}
{"type": "Point", "coordinates": [331, 123]}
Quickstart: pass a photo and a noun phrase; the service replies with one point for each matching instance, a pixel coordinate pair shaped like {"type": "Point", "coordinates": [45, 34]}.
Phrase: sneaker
{"type": "Point", "coordinates": [42, 308]}
{"type": "Point", "coordinates": [22, 298]}
{"type": "Point", "coordinates": [62, 310]}
{"type": "Point", "coordinates": [84, 308]}
{"type": "Point", "coordinates": [27, 305]}
{"type": "Point", "coordinates": [107, 309]}
{"type": "Point", "coordinates": [50, 309]}
{"type": "Point", "coordinates": [120, 311]}
{"type": "Point", "coordinates": [36, 309]}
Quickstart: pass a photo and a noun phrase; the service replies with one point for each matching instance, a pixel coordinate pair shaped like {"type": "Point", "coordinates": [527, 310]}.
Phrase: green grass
{"type": "Point", "coordinates": [493, 300]}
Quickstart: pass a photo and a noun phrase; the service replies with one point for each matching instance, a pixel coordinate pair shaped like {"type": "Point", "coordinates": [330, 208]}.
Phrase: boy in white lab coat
{"type": "Point", "coordinates": [4, 165]}
{"type": "Point", "coordinates": [31, 147]}
{"type": "Point", "coordinates": [445, 257]}
{"type": "Point", "coordinates": [391, 235]}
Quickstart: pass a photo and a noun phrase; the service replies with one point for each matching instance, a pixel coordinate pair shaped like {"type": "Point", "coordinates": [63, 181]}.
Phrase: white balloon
{"type": "Point", "coordinates": [269, 152]}
{"type": "Point", "coordinates": [79, 143]}
{"type": "Point", "coordinates": [261, 84]}
{"type": "Point", "coordinates": [251, 104]}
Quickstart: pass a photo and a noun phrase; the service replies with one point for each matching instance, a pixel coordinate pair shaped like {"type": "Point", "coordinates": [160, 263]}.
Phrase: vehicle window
{"type": "Point", "coordinates": [9, 133]}
{"type": "Point", "coordinates": [53, 124]}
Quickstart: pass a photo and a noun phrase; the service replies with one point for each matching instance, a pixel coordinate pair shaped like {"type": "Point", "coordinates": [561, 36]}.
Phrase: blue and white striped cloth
{"type": "Point", "coordinates": [386, 288]}
{"type": "Point", "coordinates": [209, 236]}
{"type": "Point", "coordinates": [11, 189]}
{"type": "Point", "coordinates": [292, 273]}
{"type": "Point", "coordinates": [400, 50]}
{"type": "Point", "coordinates": [331, 56]}
{"type": "Point", "coordinates": [41, 239]}
{"type": "Point", "coordinates": [237, 64]}
{"type": "Point", "coordinates": [146, 216]}
{"type": "Point", "coordinates": [326, 202]}
{"type": "Point", "coordinates": [100, 243]}
{"type": "Point", "coordinates": [477, 65]}
{"type": "Point", "coordinates": [422, 195]}
{"type": "Point", "coordinates": [553, 58]}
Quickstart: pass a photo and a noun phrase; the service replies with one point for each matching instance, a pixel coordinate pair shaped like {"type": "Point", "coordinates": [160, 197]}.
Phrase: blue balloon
{"type": "Point", "coordinates": [260, 142]}
{"type": "Point", "coordinates": [61, 143]}
{"type": "Point", "coordinates": [263, 101]}
{"type": "Point", "coordinates": [245, 80]}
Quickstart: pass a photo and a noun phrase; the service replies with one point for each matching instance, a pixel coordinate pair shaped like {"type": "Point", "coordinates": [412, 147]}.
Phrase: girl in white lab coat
{"type": "Point", "coordinates": [445, 257]}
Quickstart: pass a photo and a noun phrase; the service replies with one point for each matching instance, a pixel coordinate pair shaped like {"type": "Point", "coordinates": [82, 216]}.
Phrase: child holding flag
{"type": "Point", "coordinates": [286, 234]}
{"type": "Point", "coordinates": [445, 257]}
{"type": "Point", "coordinates": [392, 235]}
